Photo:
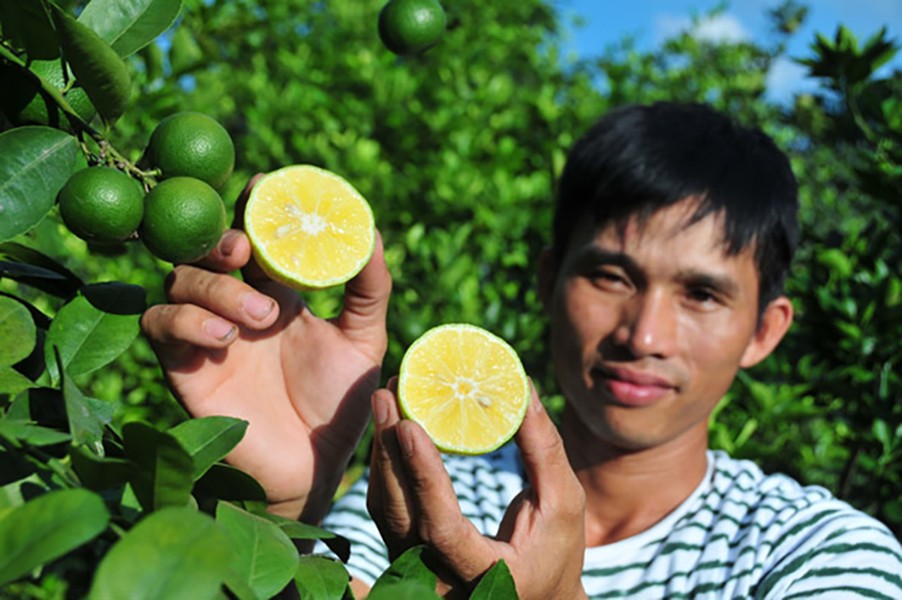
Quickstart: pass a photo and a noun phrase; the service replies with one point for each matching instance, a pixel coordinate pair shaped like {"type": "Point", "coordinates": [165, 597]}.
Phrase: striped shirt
{"type": "Point", "coordinates": [740, 534]}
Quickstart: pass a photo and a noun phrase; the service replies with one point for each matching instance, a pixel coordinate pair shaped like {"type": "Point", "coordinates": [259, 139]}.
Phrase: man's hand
{"type": "Point", "coordinates": [252, 349]}
{"type": "Point", "coordinates": [541, 537]}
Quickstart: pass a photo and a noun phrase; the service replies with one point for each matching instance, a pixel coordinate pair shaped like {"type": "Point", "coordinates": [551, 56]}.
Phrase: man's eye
{"type": "Point", "coordinates": [607, 277]}
{"type": "Point", "coordinates": [702, 296]}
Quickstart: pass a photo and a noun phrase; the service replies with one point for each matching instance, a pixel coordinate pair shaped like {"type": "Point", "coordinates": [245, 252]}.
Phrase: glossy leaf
{"type": "Point", "coordinates": [209, 439]}
{"type": "Point", "coordinates": [129, 25]}
{"type": "Point", "coordinates": [12, 382]}
{"type": "Point", "coordinates": [403, 590]}
{"type": "Point", "coordinates": [173, 554]}
{"type": "Point", "coordinates": [38, 270]}
{"type": "Point", "coordinates": [85, 425]}
{"type": "Point", "coordinates": [98, 69]}
{"type": "Point", "coordinates": [321, 578]}
{"type": "Point", "coordinates": [496, 584]}
{"type": "Point", "coordinates": [408, 567]}
{"type": "Point", "coordinates": [98, 473]}
{"type": "Point", "coordinates": [297, 530]}
{"type": "Point", "coordinates": [262, 555]}
{"type": "Point", "coordinates": [19, 431]}
{"type": "Point", "coordinates": [46, 528]}
{"type": "Point", "coordinates": [94, 328]}
{"type": "Point", "coordinates": [228, 483]}
{"type": "Point", "coordinates": [16, 325]}
{"type": "Point", "coordinates": [164, 470]}
{"type": "Point", "coordinates": [29, 24]}
{"type": "Point", "coordinates": [35, 162]}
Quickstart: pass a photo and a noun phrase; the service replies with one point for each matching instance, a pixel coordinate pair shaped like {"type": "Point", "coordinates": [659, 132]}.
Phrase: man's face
{"type": "Point", "coordinates": [649, 325]}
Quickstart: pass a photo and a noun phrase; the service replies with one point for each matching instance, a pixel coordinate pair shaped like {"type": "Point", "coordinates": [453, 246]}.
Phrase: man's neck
{"type": "Point", "coordinates": [629, 491]}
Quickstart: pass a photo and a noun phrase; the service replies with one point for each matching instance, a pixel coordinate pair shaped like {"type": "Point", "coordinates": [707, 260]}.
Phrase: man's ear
{"type": "Point", "coordinates": [774, 323]}
{"type": "Point", "coordinates": [547, 276]}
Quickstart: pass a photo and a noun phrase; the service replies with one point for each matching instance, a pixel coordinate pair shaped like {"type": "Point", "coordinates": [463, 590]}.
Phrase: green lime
{"type": "Point", "coordinates": [191, 144]}
{"type": "Point", "coordinates": [411, 26]}
{"type": "Point", "coordinates": [183, 219]}
{"type": "Point", "coordinates": [26, 103]}
{"type": "Point", "coordinates": [101, 204]}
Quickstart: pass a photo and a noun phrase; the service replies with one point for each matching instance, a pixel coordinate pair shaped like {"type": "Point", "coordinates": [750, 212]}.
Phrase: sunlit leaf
{"type": "Point", "coordinates": [46, 528]}
{"type": "Point", "coordinates": [35, 162]}
{"type": "Point", "coordinates": [129, 25]}
{"type": "Point", "coordinates": [173, 554]}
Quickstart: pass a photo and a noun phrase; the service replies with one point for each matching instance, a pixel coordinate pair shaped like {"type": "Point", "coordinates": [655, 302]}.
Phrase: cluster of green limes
{"type": "Point", "coordinates": [182, 217]}
{"type": "Point", "coordinates": [411, 26]}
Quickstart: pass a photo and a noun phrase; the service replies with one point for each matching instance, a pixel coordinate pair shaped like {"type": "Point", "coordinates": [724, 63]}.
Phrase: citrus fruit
{"type": "Point", "coordinates": [183, 219]}
{"type": "Point", "coordinates": [101, 204]}
{"type": "Point", "coordinates": [465, 386]}
{"type": "Point", "coordinates": [191, 144]}
{"type": "Point", "coordinates": [310, 229]}
{"type": "Point", "coordinates": [411, 26]}
{"type": "Point", "coordinates": [26, 103]}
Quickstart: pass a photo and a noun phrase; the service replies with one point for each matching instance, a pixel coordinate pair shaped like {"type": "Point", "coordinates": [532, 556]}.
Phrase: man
{"type": "Point", "coordinates": [674, 230]}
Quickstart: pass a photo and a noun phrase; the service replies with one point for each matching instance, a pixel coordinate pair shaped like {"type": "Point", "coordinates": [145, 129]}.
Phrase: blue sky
{"type": "Point", "coordinates": [651, 21]}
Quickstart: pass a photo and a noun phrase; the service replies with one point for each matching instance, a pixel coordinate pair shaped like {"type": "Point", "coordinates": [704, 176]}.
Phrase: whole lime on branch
{"type": "Point", "coordinates": [411, 26]}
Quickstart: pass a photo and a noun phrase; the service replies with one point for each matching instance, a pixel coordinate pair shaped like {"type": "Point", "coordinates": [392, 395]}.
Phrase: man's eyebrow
{"type": "Point", "coordinates": [594, 255]}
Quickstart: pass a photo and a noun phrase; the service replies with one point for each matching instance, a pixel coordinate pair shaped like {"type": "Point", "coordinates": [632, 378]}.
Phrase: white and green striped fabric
{"type": "Point", "coordinates": [741, 534]}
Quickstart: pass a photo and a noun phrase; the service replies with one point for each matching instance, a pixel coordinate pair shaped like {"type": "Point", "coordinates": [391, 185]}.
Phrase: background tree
{"type": "Point", "coordinates": [458, 150]}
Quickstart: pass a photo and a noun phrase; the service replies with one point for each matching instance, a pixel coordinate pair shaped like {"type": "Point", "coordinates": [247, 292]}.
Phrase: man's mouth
{"type": "Point", "coordinates": [633, 388]}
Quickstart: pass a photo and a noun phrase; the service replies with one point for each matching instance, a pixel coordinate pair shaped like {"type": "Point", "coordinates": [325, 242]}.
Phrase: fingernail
{"type": "Point", "coordinates": [228, 242]}
{"type": "Point", "coordinates": [405, 438]}
{"type": "Point", "coordinates": [380, 410]}
{"type": "Point", "coordinates": [256, 305]}
{"type": "Point", "coordinates": [219, 329]}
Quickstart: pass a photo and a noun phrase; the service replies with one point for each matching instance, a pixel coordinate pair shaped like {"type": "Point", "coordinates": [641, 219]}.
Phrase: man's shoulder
{"type": "Point", "coordinates": [800, 534]}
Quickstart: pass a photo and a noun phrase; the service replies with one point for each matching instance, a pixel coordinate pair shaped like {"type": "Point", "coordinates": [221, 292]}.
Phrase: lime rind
{"type": "Point", "coordinates": [275, 271]}
{"type": "Point", "coordinates": [445, 445]}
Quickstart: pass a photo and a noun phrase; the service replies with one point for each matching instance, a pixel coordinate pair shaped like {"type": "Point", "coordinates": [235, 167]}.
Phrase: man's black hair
{"type": "Point", "coordinates": [639, 159]}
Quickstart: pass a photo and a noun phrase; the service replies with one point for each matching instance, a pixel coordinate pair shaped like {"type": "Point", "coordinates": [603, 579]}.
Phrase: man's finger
{"type": "Point", "coordinates": [388, 495]}
{"type": "Point", "coordinates": [231, 253]}
{"type": "Point", "coordinates": [440, 522]}
{"type": "Point", "coordinates": [222, 295]}
{"type": "Point", "coordinates": [544, 457]}
{"type": "Point", "coordinates": [366, 297]}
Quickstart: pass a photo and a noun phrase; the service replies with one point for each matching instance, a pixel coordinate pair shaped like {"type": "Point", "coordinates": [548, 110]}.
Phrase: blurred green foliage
{"type": "Point", "coordinates": [458, 150]}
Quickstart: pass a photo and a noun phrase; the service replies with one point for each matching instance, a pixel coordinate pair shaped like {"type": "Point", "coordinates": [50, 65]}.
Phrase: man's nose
{"type": "Point", "coordinates": [648, 325]}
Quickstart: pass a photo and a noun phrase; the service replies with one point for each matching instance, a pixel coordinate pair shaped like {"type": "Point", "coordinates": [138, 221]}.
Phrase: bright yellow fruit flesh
{"type": "Point", "coordinates": [465, 386]}
{"type": "Point", "coordinates": [310, 229]}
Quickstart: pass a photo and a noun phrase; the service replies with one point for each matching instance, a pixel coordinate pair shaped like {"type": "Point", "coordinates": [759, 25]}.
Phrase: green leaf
{"type": "Point", "coordinates": [262, 555]}
{"type": "Point", "coordinates": [85, 426]}
{"type": "Point", "coordinates": [46, 528]}
{"type": "Point", "coordinates": [225, 482]}
{"type": "Point", "coordinates": [98, 473]}
{"type": "Point", "coordinates": [173, 554]}
{"type": "Point", "coordinates": [297, 530]}
{"type": "Point", "coordinates": [496, 584]}
{"type": "Point", "coordinates": [38, 270]}
{"type": "Point", "coordinates": [403, 590]}
{"type": "Point", "coordinates": [209, 439]}
{"type": "Point", "coordinates": [408, 567]}
{"type": "Point", "coordinates": [19, 431]}
{"type": "Point", "coordinates": [12, 382]}
{"type": "Point", "coordinates": [94, 328]}
{"type": "Point", "coordinates": [164, 470]}
{"type": "Point", "coordinates": [15, 324]}
{"type": "Point", "coordinates": [35, 162]}
{"type": "Point", "coordinates": [320, 578]}
{"type": "Point", "coordinates": [98, 69]}
{"type": "Point", "coordinates": [129, 25]}
{"type": "Point", "coordinates": [29, 24]}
